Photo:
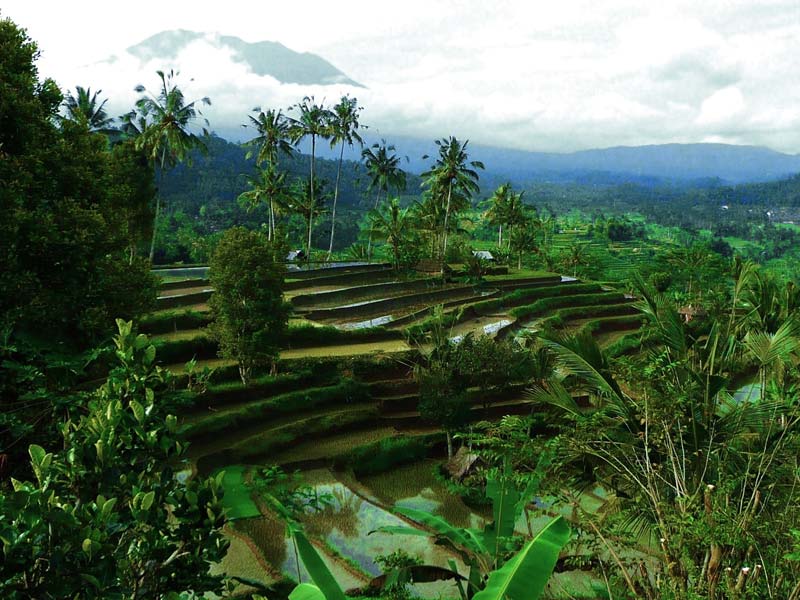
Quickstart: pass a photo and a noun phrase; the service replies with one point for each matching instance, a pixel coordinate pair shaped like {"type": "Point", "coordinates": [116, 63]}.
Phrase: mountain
{"type": "Point", "coordinates": [645, 165]}
{"type": "Point", "coordinates": [262, 58]}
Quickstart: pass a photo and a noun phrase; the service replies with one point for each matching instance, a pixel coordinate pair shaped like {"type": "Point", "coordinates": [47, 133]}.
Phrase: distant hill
{"type": "Point", "coordinates": [262, 58]}
{"type": "Point", "coordinates": [695, 164]}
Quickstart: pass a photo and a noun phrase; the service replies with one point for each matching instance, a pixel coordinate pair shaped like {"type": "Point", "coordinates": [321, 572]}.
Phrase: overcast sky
{"type": "Point", "coordinates": [535, 75]}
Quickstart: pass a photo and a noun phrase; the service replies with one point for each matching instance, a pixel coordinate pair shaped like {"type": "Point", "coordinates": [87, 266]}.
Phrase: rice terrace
{"type": "Point", "coordinates": [502, 305]}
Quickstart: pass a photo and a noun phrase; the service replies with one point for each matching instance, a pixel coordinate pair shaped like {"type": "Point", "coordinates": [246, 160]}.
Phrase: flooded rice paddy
{"type": "Point", "coordinates": [351, 509]}
{"type": "Point", "coordinates": [343, 530]}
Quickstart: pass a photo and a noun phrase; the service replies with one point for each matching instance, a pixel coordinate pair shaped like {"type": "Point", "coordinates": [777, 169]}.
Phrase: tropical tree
{"type": "Point", "coordinates": [576, 256]}
{"type": "Point", "coordinates": [525, 237]}
{"type": "Point", "coordinates": [84, 108]}
{"type": "Point", "coordinates": [312, 121]}
{"type": "Point", "coordinates": [344, 131]}
{"type": "Point", "coordinates": [392, 225]}
{"type": "Point", "coordinates": [246, 272]}
{"type": "Point", "coordinates": [165, 119]}
{"type": "Point", "coordinates": [498, 208]}
{"type": "Point", "coordinates": [268, 187]}
{"type": "Point", "coordinates": [452, 179]}
{"type": "Point", "coordinates": [273, 137]}
{"type": "Point", "coordinates": [383, 167]}
{"type": "Point", "coordinates": [104, 514]}
{"type": "Point", "coordinates": [308, 201]}
{"type": "Point", "coordinates": [703, 474]}
{"type": "Point", "coordinates": [429, 215]}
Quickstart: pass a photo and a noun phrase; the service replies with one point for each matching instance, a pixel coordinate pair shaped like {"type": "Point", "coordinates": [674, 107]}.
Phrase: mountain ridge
{"type": "Point", "coordinates": [264, 58]}
{"type": "Point", "coordinates": [678, 162]}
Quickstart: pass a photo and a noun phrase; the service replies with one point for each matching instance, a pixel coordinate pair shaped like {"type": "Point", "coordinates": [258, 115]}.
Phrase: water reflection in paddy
{"type": "Point", "coordinates": [342, 529]}
{"type": "Point", "coordinates": [376, 322]}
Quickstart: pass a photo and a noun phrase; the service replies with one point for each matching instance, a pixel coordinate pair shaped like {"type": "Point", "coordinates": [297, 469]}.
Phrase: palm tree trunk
{"type": "Point", "coordinates": [335, 197]}
{"type": "Point", "coordinates": [396, 249]}
{"type": "Point", "coordinates": [369, 240]}
{"type": "Point", "coordinates": [500, 237]}
{"type": "Point", "coordinates": [449, 444]}
{"type": "Point", "coordinates": [311, 207]}
{"type": "Point", "coordinates": [271, 224]}
{"type": "Point", "coordinates": [446, 218]}
{"type": "Point", "coordinates": [155, 216]}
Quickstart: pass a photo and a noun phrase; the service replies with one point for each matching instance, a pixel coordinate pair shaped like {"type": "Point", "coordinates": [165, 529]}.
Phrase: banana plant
{"type": "Point", "coordinates": [484, 550]}
{"type": "Point", "coordinates": [522, 577]}
{"type": "Point", "coordinates": [525, 575]}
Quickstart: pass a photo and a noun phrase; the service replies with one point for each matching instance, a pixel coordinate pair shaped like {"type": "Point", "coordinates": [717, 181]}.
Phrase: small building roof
{"type": "Point", "coordinates": [462, 463]}
{"type": "Point", "coordinates": [296, 255]}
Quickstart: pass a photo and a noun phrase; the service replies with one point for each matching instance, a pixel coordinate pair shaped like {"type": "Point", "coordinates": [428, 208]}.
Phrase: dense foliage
{"type": "Point", "coordinates": [249, 313]}
{"type": "Point", "coordinates": [105, 515]}
{"type": "Point", "coordinates": [66, 212]}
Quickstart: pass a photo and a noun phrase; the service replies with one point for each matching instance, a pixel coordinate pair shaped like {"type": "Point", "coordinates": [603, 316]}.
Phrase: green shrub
{"type": "Point", "coordinates": [614, 323]}
{"type": "Point", "coordinates": [629, 343]}
{"type": "Point", "coordinates": [362, 367]}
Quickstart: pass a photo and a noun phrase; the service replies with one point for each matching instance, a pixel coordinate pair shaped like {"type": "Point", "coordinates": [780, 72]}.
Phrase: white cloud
{"type": "Point", "coordinates": [556, 76]}
{"type": "Point", "coordinates": [721, 107]}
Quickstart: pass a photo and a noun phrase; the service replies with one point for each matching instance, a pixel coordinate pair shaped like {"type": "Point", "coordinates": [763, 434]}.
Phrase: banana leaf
{"type": "Point", "coordinates": [306, 591]}
{"type": "Point", "coordinates": [459, 537]}
{"type": "Point", "coordinates": [317, 569]}
{"type": "Point", "coordinates": [525, 576]}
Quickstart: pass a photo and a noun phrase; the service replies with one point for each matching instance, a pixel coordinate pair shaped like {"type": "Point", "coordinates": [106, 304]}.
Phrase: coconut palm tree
{"type": "Point", "coordinates": [392, 225]}
{"type": "Point", "coordinates": [308, 202]}
{"type": "Point", "coordinates": [268, 187]}
{"type": "Point", "coordinates": [164, 120]}
{"type": "Point", "coordinates": [452, 177]}
{"type": "Point", "coordinates": [383, 167]}
{"type": "Point", "coordinates": [312, 121]}
{"type": "Point", "coordinates": [273, 136]}
{"type": "Point", "coordinates": [525, 238]}
{"type": "Point", "coordinates": [344, 131]}
{"type": "Point", "coordinates": [83, 108]}
{"type": "Point", "coordinates": [498, 209]}
{"type": "Point", "coordinates": [429, 216]}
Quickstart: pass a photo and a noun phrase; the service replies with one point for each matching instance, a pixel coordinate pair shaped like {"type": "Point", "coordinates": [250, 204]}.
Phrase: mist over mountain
{"type": "Point", "coordinates": [238, 75]}
{"type": "Point", "coordinates": [262, 58]}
